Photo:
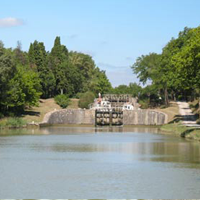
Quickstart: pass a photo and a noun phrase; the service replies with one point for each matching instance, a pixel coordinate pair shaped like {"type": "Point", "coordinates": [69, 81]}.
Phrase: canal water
{"type": "Point", "coordinates": [70, 162]}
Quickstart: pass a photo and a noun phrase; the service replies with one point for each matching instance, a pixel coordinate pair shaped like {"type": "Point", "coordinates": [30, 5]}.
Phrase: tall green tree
{"type": "Point", "coordinates": [24, 89]}
{"type": "Point", "coordinates": [7, 72]}
{"type": "Point", "coordinates": [38, 59]}
{"type": "Point", "coordinates": [57, 58]}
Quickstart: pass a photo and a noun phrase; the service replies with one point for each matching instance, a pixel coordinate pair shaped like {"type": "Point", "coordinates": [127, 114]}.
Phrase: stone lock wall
{"type": "Point", "coordinates": [87, 117]}
{"type": "Point", "coordinates": [144, 117]}
{"type": "Point", "coordinates": [70, 116]}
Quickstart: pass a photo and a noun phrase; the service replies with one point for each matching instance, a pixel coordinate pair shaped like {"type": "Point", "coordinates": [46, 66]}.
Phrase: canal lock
{"type": "Point", "coordinates": [108, 117]}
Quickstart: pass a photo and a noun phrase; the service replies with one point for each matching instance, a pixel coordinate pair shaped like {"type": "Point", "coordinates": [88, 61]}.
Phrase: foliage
{"type": "Point", "coordinates": [15, 122]}
{"type": "Point", "coordinates": [62, 100]}
{"type": "Point", "coordinates": [100, 83]}
{"type": "Point", "coordinates": [144, 104]}
{"type": "Point", "coordinates": [86, 99]}
{"type": "Point", "coordinates": [24, 89]}
{"type": "Point", "coordinates": [27, 76]}
{"type": "Point", "coordinates": [175, 73]}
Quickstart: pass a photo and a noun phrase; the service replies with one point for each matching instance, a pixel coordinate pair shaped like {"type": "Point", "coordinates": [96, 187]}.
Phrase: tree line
{"type": "Point", "coordinates": [27, 76]}
{"type": "Point", "coordinates": [175, 73]}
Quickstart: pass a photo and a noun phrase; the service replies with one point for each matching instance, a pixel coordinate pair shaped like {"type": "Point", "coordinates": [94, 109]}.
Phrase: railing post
{"type": "Point", "coordinates": [110, 120]}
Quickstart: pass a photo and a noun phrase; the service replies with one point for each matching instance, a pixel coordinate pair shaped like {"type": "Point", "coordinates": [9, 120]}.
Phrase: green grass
{"type": "Point", "coordinates": [174, 128]}
{"type": "Point", "coordinates": [182, 131]}
{"type": "Point", "coordinates": [13, 122]}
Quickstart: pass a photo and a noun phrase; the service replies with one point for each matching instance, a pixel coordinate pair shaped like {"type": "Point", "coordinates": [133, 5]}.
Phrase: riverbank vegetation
{"type": "Point", "coordinates": [13, 122]}
{"type": "Point", "coordinates": [28, 77]}
{"type": "Point", "coordinates": [62, 100]}
{"type": "Point", "coordinates": [180, 130]}
{"type": "Point", "coordinates": [25, 77]}
{"type": "Point", "coordinates": [175, 73]}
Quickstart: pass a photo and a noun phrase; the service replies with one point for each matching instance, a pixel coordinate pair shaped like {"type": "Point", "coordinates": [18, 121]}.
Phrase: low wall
{"type": "Point", "coordinates": [69, 116]}
{"type": "Point", "coordinates": [144, 117]}
{"type": "Point", "coordinates": [87, 117]}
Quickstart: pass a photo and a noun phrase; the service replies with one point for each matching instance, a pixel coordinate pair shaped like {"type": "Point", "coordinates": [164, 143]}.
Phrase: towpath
{"type": "Point", "coordinates": [188, 118]}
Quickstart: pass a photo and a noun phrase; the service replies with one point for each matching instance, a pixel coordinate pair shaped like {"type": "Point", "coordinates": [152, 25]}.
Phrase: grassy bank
{"type": "Point", "coordinates": [37, 114]}
{"type": "Point", "coordinates": [34, 114]}
{"type": "Point", "coordinates": [172, 111]}
{"type": "Point", "coordinates": [182, 131]}
{"type": "Point", "coordinates": [175, 126]}
{"type": "Point", "coordinates": [13, 122]}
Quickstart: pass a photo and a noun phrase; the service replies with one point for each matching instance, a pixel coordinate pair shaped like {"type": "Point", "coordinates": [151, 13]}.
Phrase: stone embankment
{"type": "Point", "coordinates": [144, 117]}
{"type": "Point", "coordinates": [70, 116]}
{"type": "Point", "coordinates": [87, 117]}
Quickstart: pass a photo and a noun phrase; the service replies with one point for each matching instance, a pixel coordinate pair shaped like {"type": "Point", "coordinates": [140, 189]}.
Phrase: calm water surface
{"type": "Point", "coordinates": [63, 162]}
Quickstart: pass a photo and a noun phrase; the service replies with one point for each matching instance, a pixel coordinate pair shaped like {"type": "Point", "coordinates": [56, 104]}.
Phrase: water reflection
{"type": "Point", "coordinates": [135, 142]}
{"type": "Point", "coordinates": [85, 161]}
{"type": "Point", "coordinates": [157, 152]}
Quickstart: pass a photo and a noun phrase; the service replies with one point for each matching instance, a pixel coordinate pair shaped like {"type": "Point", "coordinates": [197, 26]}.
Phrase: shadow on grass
{"type": "Point", "coordinates": [179, 118]}
{"type": "Point", "coordinates": [187, 132]}
{"type": "Point", "coordinates": [31, 113]}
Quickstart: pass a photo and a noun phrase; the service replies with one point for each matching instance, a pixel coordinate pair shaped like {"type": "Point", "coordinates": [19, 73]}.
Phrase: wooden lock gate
{"type": "Point", "coordinates": [113, 117]}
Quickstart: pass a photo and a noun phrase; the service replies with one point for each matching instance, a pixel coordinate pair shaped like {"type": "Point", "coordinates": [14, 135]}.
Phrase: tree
{"type": "Point", "coordinates": [20, 56]}
{"type": "Point", "coordinates": [100, 83]}
{"type": "Point", "coordinates": [86, 67]}
{"type": "Point", "coordinates": [39, 62]}
{"type": "Point", "coordinates": [86, 99]}
{"type": "Point", "coordinates": [176, 69]}
{"type": "Point", "coordinates": [24, 89]}
{"type": "Point", "coordinates": [57, 58]}
{"type": "Point", "coordinates": [7, 72]}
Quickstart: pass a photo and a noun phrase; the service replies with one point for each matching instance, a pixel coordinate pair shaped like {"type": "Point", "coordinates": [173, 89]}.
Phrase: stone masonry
{"type": "Point", "coordinates": [87, 117]}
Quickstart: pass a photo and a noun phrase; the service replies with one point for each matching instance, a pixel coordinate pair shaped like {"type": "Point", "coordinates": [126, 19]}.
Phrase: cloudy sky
{"type": "Point", "coordinates": [113, 32]}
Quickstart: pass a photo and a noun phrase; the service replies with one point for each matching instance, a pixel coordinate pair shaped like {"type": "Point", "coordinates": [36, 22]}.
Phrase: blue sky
{"type": "Point", "coordinates": [113, 32]}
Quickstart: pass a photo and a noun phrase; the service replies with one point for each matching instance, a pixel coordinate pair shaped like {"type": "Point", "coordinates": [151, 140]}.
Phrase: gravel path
{"type": "Point", "coordinates": [189, 118]}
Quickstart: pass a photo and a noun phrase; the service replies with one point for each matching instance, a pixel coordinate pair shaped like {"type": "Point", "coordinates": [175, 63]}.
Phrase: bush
{"type": "Point", "coordinates": [163, 107]}
{"type": "Point", "coordinates": [1, 115]}
{"type": "Point", "coordinates": [15, 122]}
{"type": "Point", "coordinates": [78, 95]}
{"type": "Point", "coordinates": [86, 99]}
{"type": "Point", "coordinates": [62, 100]}
{"type": "Point", "coordinates": [144, 104]}
{"type": "Point", "coordinates": [198, 121]}
{"type": "Point", "coordinates": [2, 124]}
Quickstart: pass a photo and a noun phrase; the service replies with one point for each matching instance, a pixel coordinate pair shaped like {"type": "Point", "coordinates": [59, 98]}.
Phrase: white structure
{"type": "Point", "coordinates": [115, 102]}
{"type": "Point", "coordinates": [127, 106]}
{"type": "Point", "coordinates": [101, 105]}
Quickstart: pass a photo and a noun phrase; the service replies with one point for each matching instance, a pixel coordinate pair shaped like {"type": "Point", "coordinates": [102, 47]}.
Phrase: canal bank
{"type": "Point", "coordinates": [184, 124]}
{"type": "Point", "coordinates": [144, 118]}
{"type": "Point", "coordinates": [88, 117]}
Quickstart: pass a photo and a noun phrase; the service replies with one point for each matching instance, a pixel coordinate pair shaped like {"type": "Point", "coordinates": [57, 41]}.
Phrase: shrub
{"type": "Point", "coordinates": [15, 122]}
{"type": "Point", "coordinates": [78, 95]}
{"type": "Point", "coordinates": [2, 124]}
{"type": "Point", "coordinates": [1, 115]}
{"type": "Point", "coordinates": [86, 99]}
{"type": "Point", "coordinates": [62, 100]}
{"type": "Point", "coordinates": [163, 107]}
{"type": "Point", "coordinates": [144, 104]}
{"type": "Point", "coordinates": [198, 121]}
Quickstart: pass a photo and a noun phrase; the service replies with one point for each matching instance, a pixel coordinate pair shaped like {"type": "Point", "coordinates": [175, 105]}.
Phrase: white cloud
{"type": "Point", "coordinates": [10, 22]}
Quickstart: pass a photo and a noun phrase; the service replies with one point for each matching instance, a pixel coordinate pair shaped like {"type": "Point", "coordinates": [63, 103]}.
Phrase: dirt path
{"type": "Point", "coordinates": [189, 119]}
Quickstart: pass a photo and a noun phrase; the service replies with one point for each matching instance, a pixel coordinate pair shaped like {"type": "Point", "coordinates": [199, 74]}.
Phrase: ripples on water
{"type": "Point", "coordinates": [105, 162]}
